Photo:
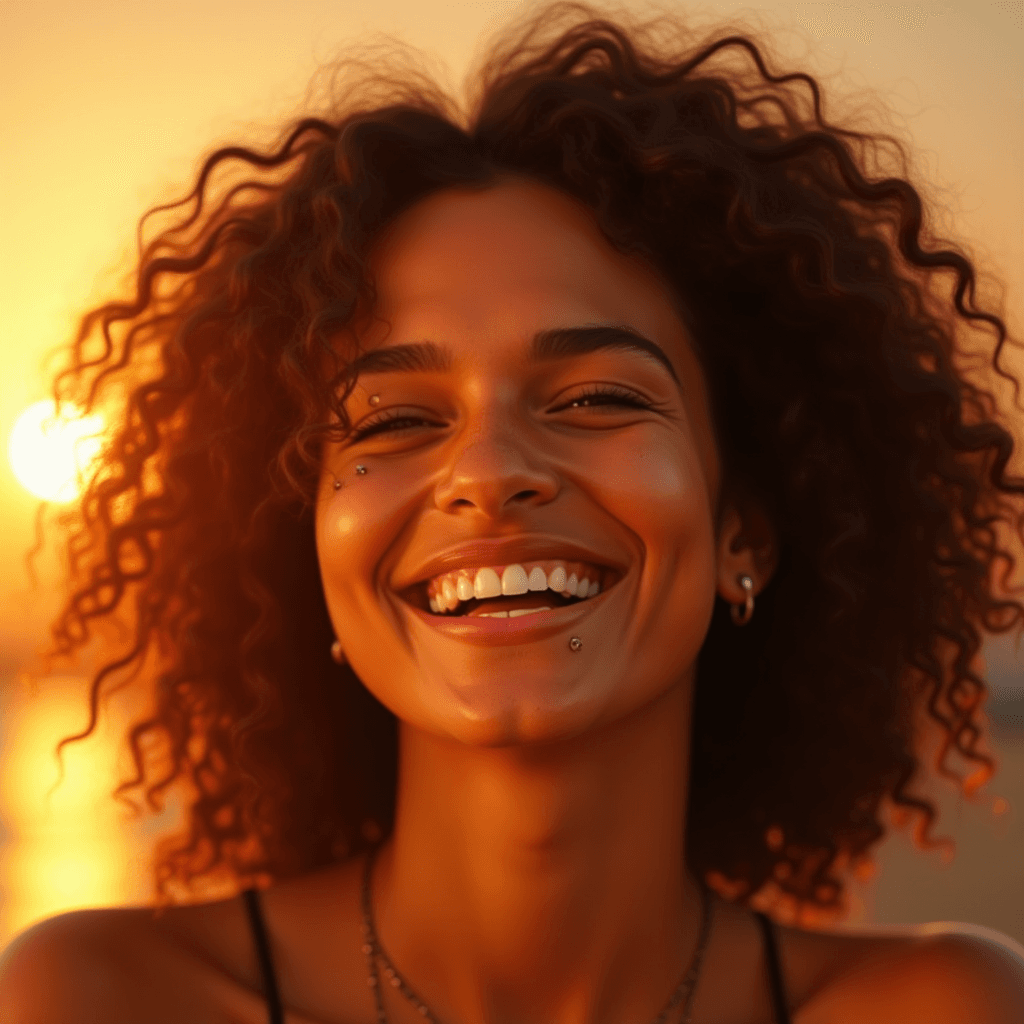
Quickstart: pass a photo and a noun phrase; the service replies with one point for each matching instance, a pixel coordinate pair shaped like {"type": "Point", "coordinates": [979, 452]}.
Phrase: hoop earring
{"type": "Point", "coordinates": [742, 616]}
{"type": "Point", "coordinates": [337, 653]}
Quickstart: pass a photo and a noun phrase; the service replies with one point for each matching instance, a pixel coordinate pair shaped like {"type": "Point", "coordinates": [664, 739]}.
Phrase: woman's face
{"type": "Point", "coordinates": [489, 449]}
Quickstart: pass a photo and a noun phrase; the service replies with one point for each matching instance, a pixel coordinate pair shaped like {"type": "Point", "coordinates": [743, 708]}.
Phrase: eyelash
{"type": "Point", "coordinates": [622, 395]}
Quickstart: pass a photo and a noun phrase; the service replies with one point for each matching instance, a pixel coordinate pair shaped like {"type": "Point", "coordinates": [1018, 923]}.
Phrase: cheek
{"type": "Point", "coordinates": [358, 529]}
{"type": "Point", "coordinates": [655, 484]}
{"type": "Point", "coordinates": [350, 541]}
{"type": "Point", "coordinates": [658, 491]}
{"type": "Point", "coordinates": [338, 528]}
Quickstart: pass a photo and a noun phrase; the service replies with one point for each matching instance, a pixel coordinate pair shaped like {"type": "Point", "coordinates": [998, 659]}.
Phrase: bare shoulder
{"type": "Point", "coordinates": [194, 963]}
{"type": "Point", "coordinates": [933, 974]}
{"type": "Point", "coordinates": [66, 968]}
{"type": "Point", "coordinates": [37, 968]}
{"type": "Point", "coordinates": [122, 964]}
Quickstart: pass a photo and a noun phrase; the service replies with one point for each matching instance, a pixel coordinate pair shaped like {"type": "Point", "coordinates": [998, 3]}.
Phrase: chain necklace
{"type": "Point", "coordinates": [374, 950]}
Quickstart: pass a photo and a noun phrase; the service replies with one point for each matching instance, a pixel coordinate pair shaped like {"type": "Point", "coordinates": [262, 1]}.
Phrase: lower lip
{"type": "Point", "coordinates": [490, 631]}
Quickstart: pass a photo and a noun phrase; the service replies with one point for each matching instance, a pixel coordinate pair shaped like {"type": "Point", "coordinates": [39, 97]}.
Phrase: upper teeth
{"type": "Point", "coordinates": [578, 579]}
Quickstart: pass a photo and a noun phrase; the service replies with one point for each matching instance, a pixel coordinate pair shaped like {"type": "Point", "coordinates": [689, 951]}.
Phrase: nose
{"type": "Point", "coordinates": [495, 471]}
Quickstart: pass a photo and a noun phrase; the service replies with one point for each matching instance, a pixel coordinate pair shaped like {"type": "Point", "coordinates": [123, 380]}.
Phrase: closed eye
{"type": "Point", "coordinates": [384, 424]}
{"type": "Point", "coordinates": [393, 421]}
{"type": "Point", "coordinates": [606, 394]}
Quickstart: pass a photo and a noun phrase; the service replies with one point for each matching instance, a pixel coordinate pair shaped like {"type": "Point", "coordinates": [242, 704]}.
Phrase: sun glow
{"type": "Point", "coordinates": [51, 454]}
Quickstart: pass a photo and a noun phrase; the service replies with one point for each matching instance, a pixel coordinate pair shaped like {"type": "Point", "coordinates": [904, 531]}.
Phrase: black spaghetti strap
{"type": "Point", "coordinates": [259, 934]}
{"type": "Point", "coordinates": [771, 958]}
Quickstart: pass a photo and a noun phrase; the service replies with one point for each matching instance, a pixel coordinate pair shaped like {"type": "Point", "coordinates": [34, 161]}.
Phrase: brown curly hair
{"type": "Point", "coordinates": [839, 402]}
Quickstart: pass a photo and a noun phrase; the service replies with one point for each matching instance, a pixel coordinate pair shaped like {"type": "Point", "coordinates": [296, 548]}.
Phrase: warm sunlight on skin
{"type": "Point", "coordinates": [495, 447]}
{"type": "Point", "coordinates": [50, 454]}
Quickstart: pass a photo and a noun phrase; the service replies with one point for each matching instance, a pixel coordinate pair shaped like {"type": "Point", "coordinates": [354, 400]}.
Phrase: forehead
{"type": "Point", "coordinates": [516, 252]}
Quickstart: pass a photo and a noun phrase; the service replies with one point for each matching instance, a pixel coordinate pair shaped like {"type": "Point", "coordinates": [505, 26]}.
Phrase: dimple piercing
{"type": "Point", "coordinates": [575, 644]}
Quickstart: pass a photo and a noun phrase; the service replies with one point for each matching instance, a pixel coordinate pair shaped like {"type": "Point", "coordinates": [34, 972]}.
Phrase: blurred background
{"type": "Point", "coordinates": [106, 110]}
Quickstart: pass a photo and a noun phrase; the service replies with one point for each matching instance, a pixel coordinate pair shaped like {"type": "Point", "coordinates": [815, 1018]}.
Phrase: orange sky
{"type": "Point", "coordinates": [106, 108]}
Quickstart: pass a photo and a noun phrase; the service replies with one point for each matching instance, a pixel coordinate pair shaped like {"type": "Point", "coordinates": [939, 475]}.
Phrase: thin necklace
{"type": "Point", "coordinates": [373, 949]}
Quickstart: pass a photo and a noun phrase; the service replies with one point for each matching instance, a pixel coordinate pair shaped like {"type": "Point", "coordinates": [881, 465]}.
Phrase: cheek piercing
{"type": "Point", "coordinates": [575, 644]}
{"type": "Point", "coordinates": [361, 470]}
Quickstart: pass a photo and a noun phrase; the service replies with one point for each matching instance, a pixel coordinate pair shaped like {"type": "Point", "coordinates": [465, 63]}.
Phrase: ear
{"type": "Point", "coordinates": [746, 546]}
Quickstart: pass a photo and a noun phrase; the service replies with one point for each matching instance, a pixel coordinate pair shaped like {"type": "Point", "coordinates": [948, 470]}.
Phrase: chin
{"type": "Point", "coordinates": [521, 712]}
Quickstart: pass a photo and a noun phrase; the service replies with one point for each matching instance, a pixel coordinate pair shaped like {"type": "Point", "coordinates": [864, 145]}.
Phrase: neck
{"type": "Point", "coordinates": [545, 882]}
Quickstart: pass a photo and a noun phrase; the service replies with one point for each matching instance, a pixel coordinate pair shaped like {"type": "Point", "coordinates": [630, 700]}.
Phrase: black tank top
{"type": "Point", "coordinates": [276, 1011]}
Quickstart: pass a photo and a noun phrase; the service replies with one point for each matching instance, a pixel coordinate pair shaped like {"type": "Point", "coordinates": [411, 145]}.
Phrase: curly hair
{"type": "Point", "coordinates": [839, 402]}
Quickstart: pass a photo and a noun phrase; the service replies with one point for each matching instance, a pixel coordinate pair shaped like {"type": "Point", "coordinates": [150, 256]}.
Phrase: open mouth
{"type": "Point", "coordinates": [511, 606]}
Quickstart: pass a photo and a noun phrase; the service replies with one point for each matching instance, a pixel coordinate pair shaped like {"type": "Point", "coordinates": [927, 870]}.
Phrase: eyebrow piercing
{"type": "Point", "coordinates": [374, 399]}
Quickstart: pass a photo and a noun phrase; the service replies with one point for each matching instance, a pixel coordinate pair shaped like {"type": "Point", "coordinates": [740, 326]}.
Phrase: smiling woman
{"type": "Point", "coordinates": [548, 533]}
{"type": "Point", "coordinates": [551, 432]}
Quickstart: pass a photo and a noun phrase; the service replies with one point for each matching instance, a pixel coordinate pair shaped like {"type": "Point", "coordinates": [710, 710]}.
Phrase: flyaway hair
{"type": "Point", "coordinates": [833, 329]}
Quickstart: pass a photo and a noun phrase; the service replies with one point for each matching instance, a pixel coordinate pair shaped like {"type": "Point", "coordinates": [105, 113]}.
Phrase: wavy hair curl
{"type": "Point", "coordinates": [839, 402]}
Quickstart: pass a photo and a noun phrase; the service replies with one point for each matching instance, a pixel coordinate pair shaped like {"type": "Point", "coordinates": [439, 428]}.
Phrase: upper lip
{"type": "Point", "coordinates": [506, 551]}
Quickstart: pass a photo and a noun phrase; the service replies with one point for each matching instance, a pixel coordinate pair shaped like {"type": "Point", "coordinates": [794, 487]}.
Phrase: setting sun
{"type": "Point", "coordinates": [49, 454]}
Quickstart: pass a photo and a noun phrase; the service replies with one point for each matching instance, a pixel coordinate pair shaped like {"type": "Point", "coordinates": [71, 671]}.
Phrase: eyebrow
{"type": "Point", "coordinates": [548, 346]}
